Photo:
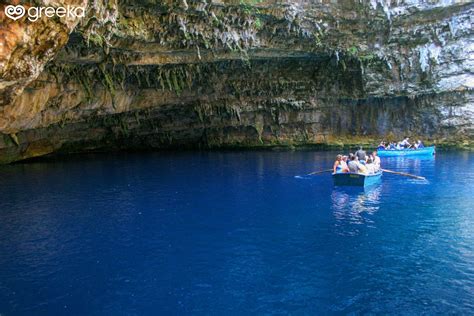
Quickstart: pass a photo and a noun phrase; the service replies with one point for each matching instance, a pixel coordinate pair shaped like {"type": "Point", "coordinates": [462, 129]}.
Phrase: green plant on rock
{"type": "Point", "coordinates": [248, 7]}
{"type": "Point", "coordinates": [95, 39]}
{"type": "Point", "coordinates": [258, 24]}
{"type": "Point", "coordinates": [199, 112]}
{"type": "Point", "coordinates": [317, 39]}
{"type": "Point", "coordinates": [86, 86]}
{"type": "Point", "coordinates": [176, 86]}
{"type": "Point", "coordinates": [353, 50]}
{"type": "Point", "coordinates": [368, 59]}
{"type": "Point", "coordinates": [259, 129]}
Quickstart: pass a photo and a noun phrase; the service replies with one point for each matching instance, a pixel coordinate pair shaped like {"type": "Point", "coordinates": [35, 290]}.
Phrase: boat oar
{"type": "Point", "coordinates": [318, 172]}
{"type": "Point", "coordinates": [310, 174]}
{"type": "Point", "coordinates": [405, 174]}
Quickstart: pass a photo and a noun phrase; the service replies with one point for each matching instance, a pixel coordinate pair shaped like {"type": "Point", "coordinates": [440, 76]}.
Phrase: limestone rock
{"type": "Point", "coordinates": [141, 74]}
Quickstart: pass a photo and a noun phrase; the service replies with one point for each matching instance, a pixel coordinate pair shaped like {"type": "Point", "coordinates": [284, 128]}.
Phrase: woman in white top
{"type": "Point", "coordinates": [376, 160]}
{"type": "Point", "coordinates": [370, 166]}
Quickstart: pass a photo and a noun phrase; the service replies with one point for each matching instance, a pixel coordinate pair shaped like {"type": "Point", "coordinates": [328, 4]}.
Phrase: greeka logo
{"type": "Point", "coordinates": [14, 12]}
{"type": "Point", "coordinates": [34, 13]}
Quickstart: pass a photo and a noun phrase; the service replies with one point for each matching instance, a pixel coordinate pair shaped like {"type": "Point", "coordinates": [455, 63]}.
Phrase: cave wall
{"type": "Point", "coordinates": [197, 74]}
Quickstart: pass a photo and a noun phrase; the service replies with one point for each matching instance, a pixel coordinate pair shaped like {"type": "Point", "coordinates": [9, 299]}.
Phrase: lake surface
{"type": "Point", "coordinates": [235, 233]}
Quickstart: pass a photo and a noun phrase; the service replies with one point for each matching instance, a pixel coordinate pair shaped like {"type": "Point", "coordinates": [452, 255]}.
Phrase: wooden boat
{"type": "Point", "coordinates": [426, 151]}
{"type": "Point", "coordinates": [356, 179]}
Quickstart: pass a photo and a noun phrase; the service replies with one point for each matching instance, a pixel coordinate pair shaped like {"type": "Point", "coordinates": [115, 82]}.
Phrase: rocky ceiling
{"type": "Point", "coordinates": [212, 74]}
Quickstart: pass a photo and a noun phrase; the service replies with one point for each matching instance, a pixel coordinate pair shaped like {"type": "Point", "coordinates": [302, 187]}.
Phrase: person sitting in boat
{"type": "Point", "coordinates": [337, 167]}
{"type": "Point", "coordinates": [354, 165]}
{"type": "Point", "coordinates": [391, 146]}
{"type": "Point", "coordinates": [420, 144]}
{"type": "Point", "coordinates": [405, 143]}
{"type": "Point", "coordinates": [381, 145]}
{"type": "Point", "coordinates": [361, 167]}
{"type": "Point", "coordinates": [369, 165]}
{"type": "Point", "coordinates": [376, 160]}
{"type": "Point", "coordinates": [361, 155]}
{"type": "Point", "coordinates": [345, 168]}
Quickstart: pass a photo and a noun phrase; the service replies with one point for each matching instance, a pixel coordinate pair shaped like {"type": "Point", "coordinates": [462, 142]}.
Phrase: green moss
{"type": "Point", "coordinates": [168, 80]}
{"type": "Point", "coordinates": [96, 39]}
{"type": "Point", "coordinates": [343, 64]}
{"type": "Point", "coordinates": [367, 57]}
{"type": "Point", "coordinates": [259, 129]}
{"type": "Point", "coordinates": [107, 82]}
{"type": "Point", "coordinates": [248, 6]}
{"type": "Point", "coordinates": [250, 2]}
{"type": "Point", "coordinates": [176, 85]}
{"type": "Point", "coordinates": [199, 113]}
{"type": "Point", "coordinates": [353, 50]}
{"type": "Point", "coordinates": [258, 24]}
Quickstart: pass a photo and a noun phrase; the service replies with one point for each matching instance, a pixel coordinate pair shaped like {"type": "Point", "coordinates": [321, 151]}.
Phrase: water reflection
{"type": "Point", "coordinates": [351, 205]}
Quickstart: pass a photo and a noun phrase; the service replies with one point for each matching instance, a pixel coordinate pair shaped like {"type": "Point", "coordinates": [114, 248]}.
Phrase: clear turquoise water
{"type": "Point", "coordinates": [237, 233]}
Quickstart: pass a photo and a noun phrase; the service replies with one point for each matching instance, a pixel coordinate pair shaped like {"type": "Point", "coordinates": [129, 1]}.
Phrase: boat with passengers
{"type": "Point", "coordinates": [357, 169]}
{"type": "Point", "coordinates": [404, 148]}
{"type": "Point", "coordinates": [425, 151]}
{"type": "Point", "coordinates": [360, 169]}
{"type": "Point", "coordinates": [356, 179]}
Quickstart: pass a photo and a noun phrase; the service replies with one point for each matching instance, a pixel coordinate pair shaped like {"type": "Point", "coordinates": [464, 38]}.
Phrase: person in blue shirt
{"type": "Point", "coordinates": [381, 146]}
{"type": "Point", "coordinates": [340, 165]}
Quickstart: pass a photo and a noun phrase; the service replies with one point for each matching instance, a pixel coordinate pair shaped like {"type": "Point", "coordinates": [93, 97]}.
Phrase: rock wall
{"type": "Point", "coordinates": [206, 74]}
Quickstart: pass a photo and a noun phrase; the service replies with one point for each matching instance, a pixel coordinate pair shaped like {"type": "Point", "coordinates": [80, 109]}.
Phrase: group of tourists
{"type": "Point", "coordinates": [404, 144]}
{"type": "Point", "coordinates": [359, 162]}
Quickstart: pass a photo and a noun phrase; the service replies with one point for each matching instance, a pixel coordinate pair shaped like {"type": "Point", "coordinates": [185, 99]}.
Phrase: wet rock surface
{"type": "Point", "coordinates": [202, 74]}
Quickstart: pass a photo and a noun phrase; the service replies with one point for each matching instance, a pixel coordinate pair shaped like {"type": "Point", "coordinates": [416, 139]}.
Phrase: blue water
{"type": "Point", "coordinates": [236, 233]}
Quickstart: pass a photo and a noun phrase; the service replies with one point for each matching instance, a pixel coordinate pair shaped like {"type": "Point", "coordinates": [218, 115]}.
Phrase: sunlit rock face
{"type": "Point", "coordinates": [206, 74]}
{"type": "Point", "coordinates": [27, 46]}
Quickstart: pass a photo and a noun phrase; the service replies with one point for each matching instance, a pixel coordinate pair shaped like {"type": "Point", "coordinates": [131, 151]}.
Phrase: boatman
{"type": "Point", "coordinates": [361, 155]}
{"type": "Point", "coordinates": [406, 142]}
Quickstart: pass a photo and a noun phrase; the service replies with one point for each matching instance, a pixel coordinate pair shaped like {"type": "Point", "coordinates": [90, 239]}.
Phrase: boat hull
{"type": "Point", "coordinates": [426, 151]}
{"type": "Point", "coordinates": [356, 179]}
